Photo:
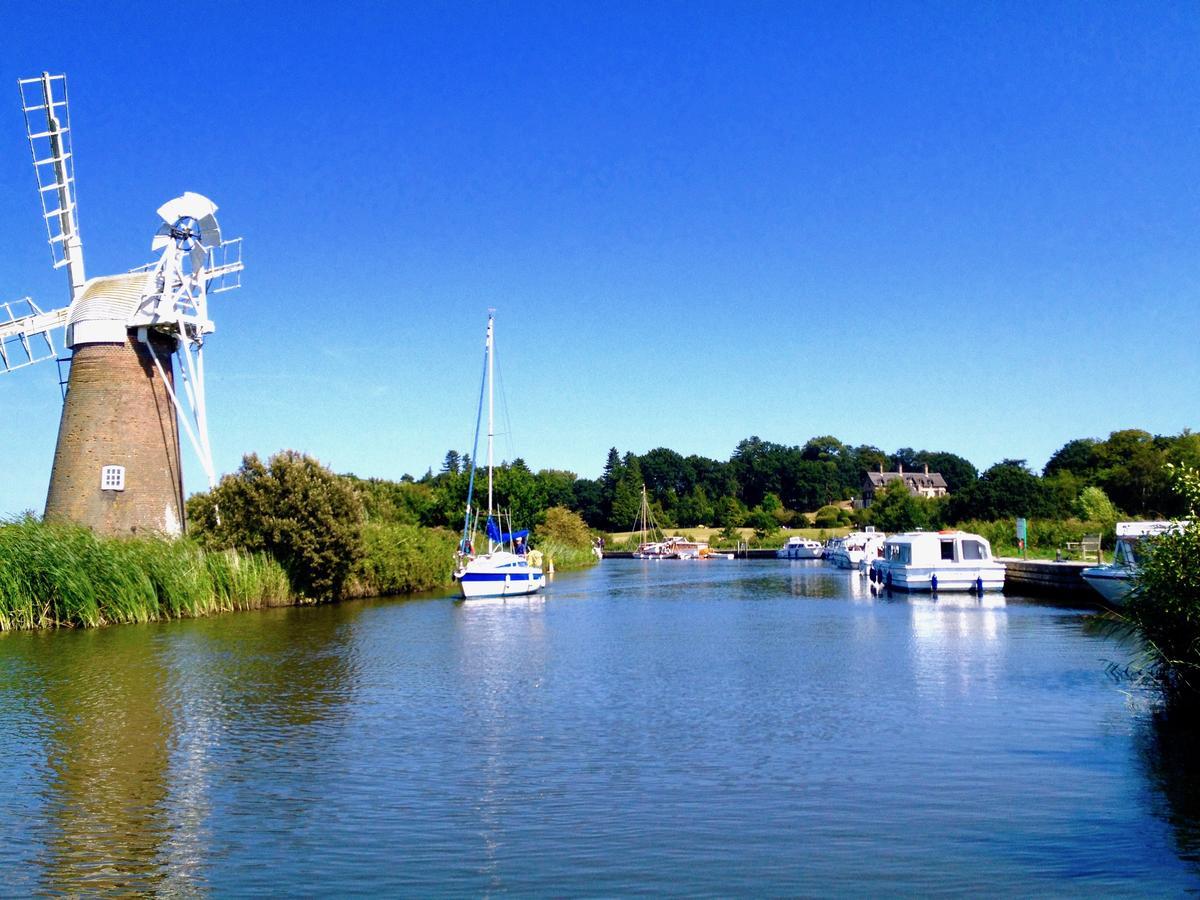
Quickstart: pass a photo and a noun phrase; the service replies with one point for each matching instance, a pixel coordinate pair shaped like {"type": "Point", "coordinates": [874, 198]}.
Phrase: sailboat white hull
{"type": "Point", "coordinates": [499, 574]}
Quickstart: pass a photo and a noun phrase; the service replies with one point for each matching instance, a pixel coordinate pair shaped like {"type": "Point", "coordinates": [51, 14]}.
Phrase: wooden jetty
{"type": "Point", "coordinates": [1048, 577]}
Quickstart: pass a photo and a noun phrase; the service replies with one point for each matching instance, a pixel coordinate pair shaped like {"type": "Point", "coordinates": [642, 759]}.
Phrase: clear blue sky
{"type": "Point", "coordinates": [964, 227]}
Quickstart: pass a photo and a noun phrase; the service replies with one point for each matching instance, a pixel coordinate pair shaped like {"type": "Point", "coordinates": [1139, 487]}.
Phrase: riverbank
{"type": "Point", "coordinates": [54, 576]}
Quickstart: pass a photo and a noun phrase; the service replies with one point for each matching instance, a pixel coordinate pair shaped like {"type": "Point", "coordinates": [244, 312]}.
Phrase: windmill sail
{"type": "Point", "coordinates": [48, 127]}
{"type": "Point", "coordinates": [25, 333]}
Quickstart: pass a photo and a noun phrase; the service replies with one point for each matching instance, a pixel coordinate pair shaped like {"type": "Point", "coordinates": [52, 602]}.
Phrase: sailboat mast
{"type": "Point", "coordinates": [491, 347]}
{"type": "Point", "coordinates": [645, 514]}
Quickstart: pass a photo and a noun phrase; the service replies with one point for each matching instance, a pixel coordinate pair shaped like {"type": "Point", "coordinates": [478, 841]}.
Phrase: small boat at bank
{"type": "Point", "coordinates": [937, 561]}
{"type": "Point", "coordinates": [508, 568]}
{"type": "Point", "coordinates": [798, 547]}
{"type": "Point", "coordinates": [856, 549]}
{"type": "Point", "coordinates": [1114, 581]}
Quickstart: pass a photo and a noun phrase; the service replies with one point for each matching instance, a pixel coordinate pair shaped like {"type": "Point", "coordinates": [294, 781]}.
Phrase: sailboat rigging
{"type": "Point", "coordinates": [508, 568]}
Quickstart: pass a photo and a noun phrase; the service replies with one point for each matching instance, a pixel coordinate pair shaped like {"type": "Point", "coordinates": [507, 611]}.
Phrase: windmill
{"type": "Point", "coordinates": [136, 344]}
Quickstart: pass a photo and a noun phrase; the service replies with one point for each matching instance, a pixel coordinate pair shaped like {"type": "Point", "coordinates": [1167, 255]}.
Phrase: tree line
{"type": "Point", "coordinates": [764, 482]}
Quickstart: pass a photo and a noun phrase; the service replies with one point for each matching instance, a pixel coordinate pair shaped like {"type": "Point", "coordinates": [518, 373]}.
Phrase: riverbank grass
{"type": "Point", "coordinates": [64, 575]}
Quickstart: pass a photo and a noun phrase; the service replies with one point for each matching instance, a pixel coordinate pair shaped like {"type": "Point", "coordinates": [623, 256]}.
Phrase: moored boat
{"type": "Point", "coordinates": [798, 547]}
{"type": "Point", "coordinates": [1114, 581]}
{"type": "Point", "coordinates": [937, 561]}
{"type": "Point", "coordinates": [508, 568]}
{"type": "Point", "coordinates": [857, 548]}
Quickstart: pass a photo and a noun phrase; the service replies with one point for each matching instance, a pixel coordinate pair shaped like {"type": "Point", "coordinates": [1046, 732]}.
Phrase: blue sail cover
{"type": "Point", "coordinates": [493, 532]}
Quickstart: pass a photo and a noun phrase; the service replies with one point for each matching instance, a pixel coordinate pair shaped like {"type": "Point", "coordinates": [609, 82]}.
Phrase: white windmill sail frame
{"type": "Point", "coordinates": [47, 113]}
{"type": "Point", "coordinates": [25, 333]}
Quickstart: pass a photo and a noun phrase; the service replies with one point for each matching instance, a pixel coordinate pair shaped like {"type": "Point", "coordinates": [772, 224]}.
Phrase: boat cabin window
{"type": "Point", "coordinates": [901, 553]}
{"type": "Point", "coordinates": [973, 550]}
{"type": "Point", "coordinates": [948, 549]}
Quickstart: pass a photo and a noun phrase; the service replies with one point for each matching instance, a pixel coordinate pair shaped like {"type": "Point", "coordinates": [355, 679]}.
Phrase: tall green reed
{"type": "Point", "coordinates": [52, 574]}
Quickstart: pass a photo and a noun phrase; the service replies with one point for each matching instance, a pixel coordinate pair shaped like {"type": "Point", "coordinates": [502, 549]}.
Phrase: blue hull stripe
{"type": "Point", "coordinates": [499, 576]}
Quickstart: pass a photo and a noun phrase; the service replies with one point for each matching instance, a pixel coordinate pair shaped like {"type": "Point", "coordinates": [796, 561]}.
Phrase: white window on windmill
{"type": "Point", "coordinates": [112, 478]}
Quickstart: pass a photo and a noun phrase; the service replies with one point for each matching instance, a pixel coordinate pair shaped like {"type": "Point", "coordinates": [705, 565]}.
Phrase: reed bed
{"type": "Point", "coordinates": [401, 559]}
{"type": "Point", "coordinates": [63, 575]}
{"type": "Point", "coordinates": [565, 556]}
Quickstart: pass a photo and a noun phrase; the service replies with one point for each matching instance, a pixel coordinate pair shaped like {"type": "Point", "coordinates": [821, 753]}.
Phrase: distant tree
{"type": "Point", "coordinates": [664, 471]}
{"type": "Point", "coordinates": [613, 470]}
{"type": "Point", "coordinates": [868, 459]}
{"type": "Point", "coordinates": [452, 463]}
{"type": "Point", "coordinates": [756, 466]}
{"type": "Point", "coordinates": [824, 448]}
{"type": "Point", "coordinates": [1006, 490]}
{"type": "Point", "coordinates": [589, 500]}
{"type": "Point", "coordinates": [397, 502]}
{"type": "Point", "coordinates": [729, 512]}
{"type": "Point", "coordinates": [762, 522]}
{"type": "Point", "coordinates": [896, 509]}
{"type": "Point", "coordinates": [906, 457]}
{"type": "Point", "coordinates": [627, 497]}
{"type": "Point", "coordinates": [715, 477]}
{"type": "Point", "coordinates": [1062, 493]}
{"type": "Point", "coordinates": [958, 472]}
{"type": "Point", "coordinates": [1076, 457]}
{"type": "Point", "coordinates": [556, 487]}
{"type": "Point", "coordinates": [516, 493]}
{"type": "Point", "coordinates": [293, 508]}
{"type": "Point", "coordinates": [1184, 451]}
{"type": "Point", "coordinates": [1132, 469]}
{"type": "Point", "coordinates": [695, 509]}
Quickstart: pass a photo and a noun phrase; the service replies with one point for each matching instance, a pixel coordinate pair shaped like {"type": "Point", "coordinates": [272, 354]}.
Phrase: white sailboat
{"type": "Point", "coordinates": [507, 569]}
{"type": "Point", "coordinates": [647, 548]}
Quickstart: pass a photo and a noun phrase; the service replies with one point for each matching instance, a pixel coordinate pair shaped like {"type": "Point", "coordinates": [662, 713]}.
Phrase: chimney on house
{"type": "Point", "coordinates": [900, 468]}
{"type": "Point", "coordinates": [926, 468]}
{"type": "Point", "coordinates": [881, 468]}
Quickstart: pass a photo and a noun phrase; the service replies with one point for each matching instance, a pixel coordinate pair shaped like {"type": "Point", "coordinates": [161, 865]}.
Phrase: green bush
{"type": "Point", "coordinates": [828, 517]}
{"type": "Point", "coordinates": [1044, 537]}
{"type": "Point", "coordinates": [293, 508]}
{"type": "Point", "coordinates": [1093, 505]}
{"type": "Point", "coordinates": [1163, 609]}
{"type": "Point", "coordinates": [401, 559]}
{"type": "Point", "coordinates": [565, 527]}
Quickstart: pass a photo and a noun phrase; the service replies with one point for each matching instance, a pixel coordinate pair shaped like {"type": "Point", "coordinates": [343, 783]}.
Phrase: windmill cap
{"type": "Point", "coordinates": [104, 307]}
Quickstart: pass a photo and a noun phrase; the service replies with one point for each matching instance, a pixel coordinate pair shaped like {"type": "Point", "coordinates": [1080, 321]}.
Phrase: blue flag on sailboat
{"type": "Point", "coordinates": [493, 530]}
{"type": "Point", "coordinates": [499, 537]}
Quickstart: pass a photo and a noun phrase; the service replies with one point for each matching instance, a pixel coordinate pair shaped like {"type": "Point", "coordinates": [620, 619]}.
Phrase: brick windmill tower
{"type": "Point", "coordinates": [136, 342]}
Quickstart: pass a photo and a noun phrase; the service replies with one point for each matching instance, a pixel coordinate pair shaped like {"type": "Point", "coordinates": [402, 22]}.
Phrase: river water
{"type": "Point", "coordinates": [716, 728]}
